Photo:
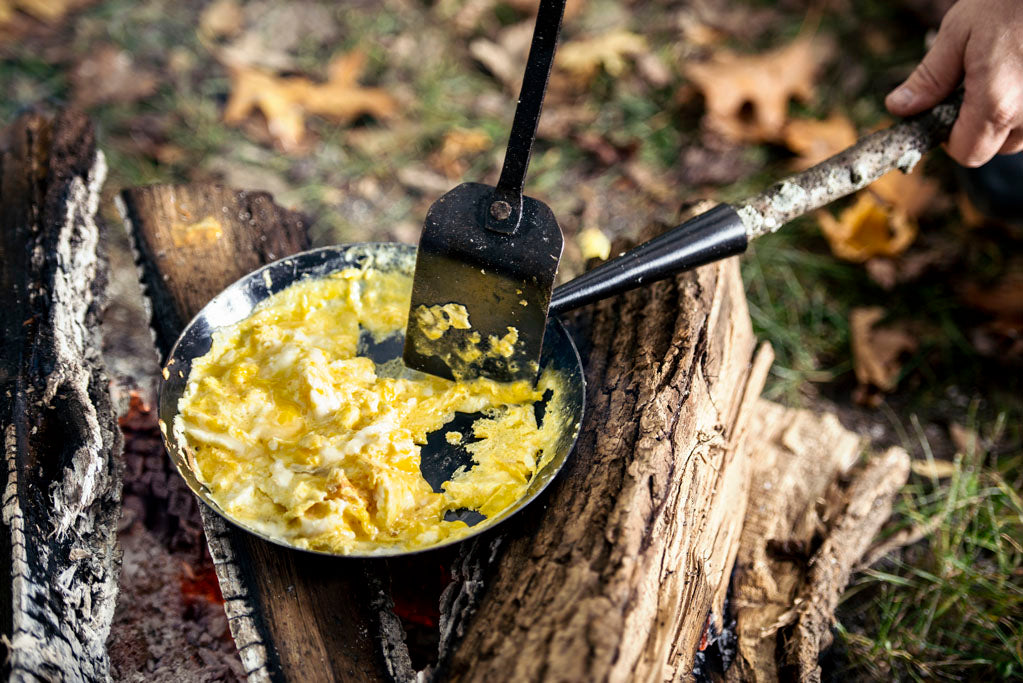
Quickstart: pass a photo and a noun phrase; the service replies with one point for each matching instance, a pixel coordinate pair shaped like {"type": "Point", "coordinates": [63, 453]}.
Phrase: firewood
{"type": "Point", "coordinates": [805, 532]}
{"type": "Point", "coordinates": [63, 482]}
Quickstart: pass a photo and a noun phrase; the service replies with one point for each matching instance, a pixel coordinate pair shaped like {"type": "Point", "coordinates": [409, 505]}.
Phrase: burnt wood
{"type": "Point", "coordinates": [294, 616]}
{"type": "Point", "coordinates": [62, 492]}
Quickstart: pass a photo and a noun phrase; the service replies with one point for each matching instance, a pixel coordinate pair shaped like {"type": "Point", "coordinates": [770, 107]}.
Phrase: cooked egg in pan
{"type": "Point", "coordinates": [298, 437]}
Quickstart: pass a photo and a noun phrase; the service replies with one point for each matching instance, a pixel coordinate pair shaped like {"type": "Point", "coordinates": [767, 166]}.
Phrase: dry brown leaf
{"type": "Point", "coordinates": [458, 145]}
{"type": "Point", "coordinates": [867, 229]}
{"type": "Point", "coordinates": [814, 141]}
{"type": "Point", "coordinates": [581, 60]}
{"type": "Point", "coordinates": [933, 469]}
{"type": "Point", "coordinates": [1004, 298]}
{"type": "Point", "coordinates": [221, 19]}
{"type": "Point", "coordinates": [747, 97]}
{"type": "Point", "coordinates": [48, 11]}
{"type": "Point", "coordinates": [505, 57]}
{"type": "Point", "coordinates": [109, 74]}
{"type": "Point", "coordinates": [876, 352]}
{"type": "Point", "coordinates": [286, 102]}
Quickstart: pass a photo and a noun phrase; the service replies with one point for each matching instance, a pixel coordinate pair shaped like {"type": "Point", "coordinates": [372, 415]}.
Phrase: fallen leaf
{"type": "Point", "coordinates": [911, 193]}
{"type": "Point", "coordinates": [286, 102]}
{"type": "Point", "coordinates": [867, 229]}
{"type": "Point", "coordinates": [221, 19]}
{"type": "Point", "coordinates": [814, 140]}
{"type": "Point", "coordinates": [581, 60]}
{"type": "Point", "coordinates": [933, 469]}
{"type": "Point", "coordinates": [747, 97]}
{"type": "Point", "coordinates": [109, 74]}
{"type": "Point", "coordinates": [459, 144]}
{"type": "Point", "coordinates": [876, 352]}
{"type": "Point", "coordinates": [1001, 337]}
{"type": "Point", "coordinates": [47, 11]}
{"type": "Point", "coordinates": [1004, 298]}
{"type": "Point", "coordinates": [505, 58]}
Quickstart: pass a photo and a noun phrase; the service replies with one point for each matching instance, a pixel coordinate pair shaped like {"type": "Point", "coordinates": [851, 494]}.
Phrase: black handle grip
{"type": "Point", "coordinates": [711, 236]}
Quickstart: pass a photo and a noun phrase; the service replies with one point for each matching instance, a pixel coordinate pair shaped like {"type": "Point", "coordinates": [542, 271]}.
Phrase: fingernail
{"type": "Point", "coordinates": [901, 97]}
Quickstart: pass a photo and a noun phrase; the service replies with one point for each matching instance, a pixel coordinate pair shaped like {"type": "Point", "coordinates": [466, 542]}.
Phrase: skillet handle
{"type": "Point", "coordinates": [899, 147]}
{"type": "Point", "coordinates": [711, 236]}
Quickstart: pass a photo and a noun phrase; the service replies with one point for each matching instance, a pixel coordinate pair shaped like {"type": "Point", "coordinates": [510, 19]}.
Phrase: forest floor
{"type": "Point", "coordinates": [901, 310]}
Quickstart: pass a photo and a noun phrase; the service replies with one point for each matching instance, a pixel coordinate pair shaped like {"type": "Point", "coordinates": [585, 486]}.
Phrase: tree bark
{"type": "Point", "coordinates": [617, 576]}
{"type": "Point", "coordinates": [614, 573]}
{"type": "Point", "coordinates": [62, 497]}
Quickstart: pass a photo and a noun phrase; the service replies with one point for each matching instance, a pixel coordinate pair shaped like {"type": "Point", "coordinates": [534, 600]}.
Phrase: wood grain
{"type": "Point", "coordinates": [293, 615]}
{"type": "Point", "coordinates": [62, 495]}
{"type": "Point", "coordinates": [615, 577]}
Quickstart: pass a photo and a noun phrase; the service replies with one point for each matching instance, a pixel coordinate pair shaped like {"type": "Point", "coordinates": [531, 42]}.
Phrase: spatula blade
{"type": "Point", "coordinates": [501, 282]}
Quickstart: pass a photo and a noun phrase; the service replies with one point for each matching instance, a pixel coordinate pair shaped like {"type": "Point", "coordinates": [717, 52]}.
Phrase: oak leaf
{"type": "Point", "coordinates": [747, 97]}
{"type": "Point", "coordinates": [876, 352]}
{"type": "Point", "coordinates": [286, 101]}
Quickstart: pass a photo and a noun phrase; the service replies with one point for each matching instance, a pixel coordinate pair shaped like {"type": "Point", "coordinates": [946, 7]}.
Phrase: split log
{"type": "Point", "coordinates": [805, 532]}
{"type": "Point", "coordinates": [63, 484]}
{"type": "Point", "coordinates": [617, 577]}
{"type": "Point", "coordinates": [614, 572]}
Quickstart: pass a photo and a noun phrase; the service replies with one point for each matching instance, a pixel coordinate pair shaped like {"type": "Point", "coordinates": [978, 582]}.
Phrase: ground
{"type": "Point", "coordinates": [360, 114]}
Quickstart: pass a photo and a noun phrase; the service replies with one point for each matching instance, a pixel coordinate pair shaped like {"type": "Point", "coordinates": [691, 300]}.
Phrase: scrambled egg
{"type": "Point", "coordinates": [299, 438]}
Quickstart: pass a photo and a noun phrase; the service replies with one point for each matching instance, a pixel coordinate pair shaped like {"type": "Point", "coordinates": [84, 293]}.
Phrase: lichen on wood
{"type": "Point", "coordinates": [62, 496]}
{"type": "Point", "coordinates": [899, 147]}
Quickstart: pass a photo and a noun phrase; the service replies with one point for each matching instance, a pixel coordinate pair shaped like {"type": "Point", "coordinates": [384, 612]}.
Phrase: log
{"type": "Point", "coordinates": [616, 571]}
{"type": "Point", "coordinates": [807, 528]}
{"type": "Point", "coordinates": [61, 443]}
{"type": "Point", "coordinates": [617, 577]}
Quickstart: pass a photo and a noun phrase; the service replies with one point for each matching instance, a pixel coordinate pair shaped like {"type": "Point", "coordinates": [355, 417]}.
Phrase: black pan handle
{"type": "Point", "coordinates": [711, 236]}
{"type": "Point", "coordinates": [506, 206]}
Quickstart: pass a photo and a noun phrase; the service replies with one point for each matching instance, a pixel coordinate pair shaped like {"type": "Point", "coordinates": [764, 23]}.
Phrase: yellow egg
{"type": "Point", "coordinates": [298, 437]}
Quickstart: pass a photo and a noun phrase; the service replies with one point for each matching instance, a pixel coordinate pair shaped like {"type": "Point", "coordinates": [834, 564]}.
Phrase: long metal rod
{"type": "Point", "coordinates": [527, 116]}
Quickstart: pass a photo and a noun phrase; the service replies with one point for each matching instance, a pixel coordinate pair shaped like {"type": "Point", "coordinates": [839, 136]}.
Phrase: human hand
{"type": "Point", "coordinates": [980, 43]}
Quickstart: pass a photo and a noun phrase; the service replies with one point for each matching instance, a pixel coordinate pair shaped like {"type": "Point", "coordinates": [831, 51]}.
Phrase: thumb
{"type": "Point", "coordinates": [934, 78]}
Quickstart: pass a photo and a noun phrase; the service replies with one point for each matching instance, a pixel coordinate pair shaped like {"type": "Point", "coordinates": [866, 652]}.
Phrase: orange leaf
{"type": "Point", "coordinates": [866, 229]}
{"type": "Point", "coordinates": [459, 144]}
{"type": "Point", "coordinates": [747, 97]}
{"type": "Point", "coordinates": [286, 102]}
{"type": "Point", "coordinates": [814, 141]}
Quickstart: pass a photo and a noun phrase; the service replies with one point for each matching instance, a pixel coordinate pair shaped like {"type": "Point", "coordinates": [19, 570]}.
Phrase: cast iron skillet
{"type": "Point", "coordinates": [439, 459]}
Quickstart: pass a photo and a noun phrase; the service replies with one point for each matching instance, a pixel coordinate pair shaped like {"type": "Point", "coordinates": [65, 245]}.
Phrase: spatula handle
{"type": "Point", "coordinates": [527, 116]}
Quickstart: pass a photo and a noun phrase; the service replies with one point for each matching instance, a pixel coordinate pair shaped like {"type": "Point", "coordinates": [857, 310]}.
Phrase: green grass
{"type": "Point", "coordinates": [952, 607]}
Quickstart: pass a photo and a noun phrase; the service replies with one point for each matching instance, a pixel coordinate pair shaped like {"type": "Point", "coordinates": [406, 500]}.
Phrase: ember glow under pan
{"type": "Point", "coordinates": [438, 457]}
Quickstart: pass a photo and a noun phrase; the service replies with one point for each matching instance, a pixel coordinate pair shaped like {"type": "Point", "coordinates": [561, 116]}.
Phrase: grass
{"type": "Point", "coordinates": [952, 607]}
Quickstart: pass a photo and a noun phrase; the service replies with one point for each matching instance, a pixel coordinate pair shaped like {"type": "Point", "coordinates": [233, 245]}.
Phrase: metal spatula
{"type": "Point", "coordinates": [488, 255]}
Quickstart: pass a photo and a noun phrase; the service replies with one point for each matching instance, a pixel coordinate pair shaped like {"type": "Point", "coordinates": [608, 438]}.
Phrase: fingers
{"type": "Point", "coordinates": [1013, 143]}
{"type": "Point", "coordinates": [935, 77]}
{"type": "Point", "coordinates": [975, 137]}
